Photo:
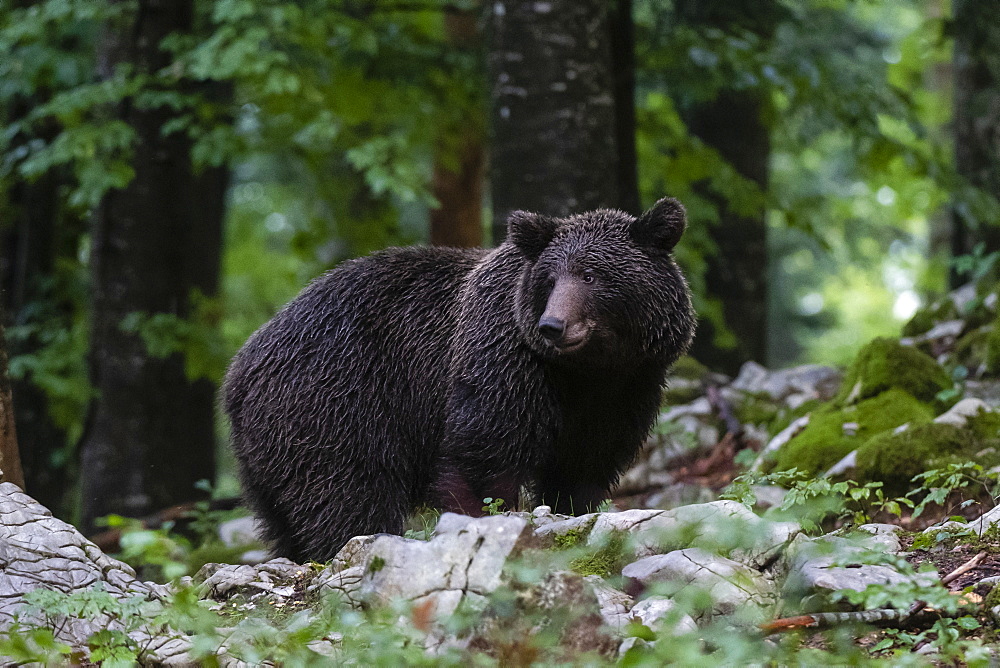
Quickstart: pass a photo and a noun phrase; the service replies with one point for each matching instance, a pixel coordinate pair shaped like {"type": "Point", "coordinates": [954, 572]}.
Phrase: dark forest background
{"type": "Point", "coordinates": [173, 171]}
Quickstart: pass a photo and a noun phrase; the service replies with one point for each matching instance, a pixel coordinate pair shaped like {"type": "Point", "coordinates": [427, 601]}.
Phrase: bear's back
{"type": "Point", "coordinates": [361, 355]}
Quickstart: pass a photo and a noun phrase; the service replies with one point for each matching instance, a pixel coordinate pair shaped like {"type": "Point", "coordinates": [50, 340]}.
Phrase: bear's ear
{"type": "Point", "coordinates": [530, 232]}
{"type": "Point", "coordinates": [662, 226]}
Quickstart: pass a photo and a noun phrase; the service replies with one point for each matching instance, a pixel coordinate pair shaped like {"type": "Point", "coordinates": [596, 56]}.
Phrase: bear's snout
{"type": "Point", "coordinates": [563, 323]}
{"type": "Point", "coordinates": [551, 328]}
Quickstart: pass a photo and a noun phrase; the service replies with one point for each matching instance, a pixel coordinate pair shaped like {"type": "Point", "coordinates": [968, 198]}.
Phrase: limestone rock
{"type": "Point", "coordinates": [464, 557]}
{"type": "Point", "coordinates": [655, 611]}
{"type": "Point", "coordinates": [39, 551]}
{"type": "Point", "coordinates": [734, 589]}
{"type": "Point", "coordinates": [726, 527]}
{"type": "Point", "coordinates": [831, 563]}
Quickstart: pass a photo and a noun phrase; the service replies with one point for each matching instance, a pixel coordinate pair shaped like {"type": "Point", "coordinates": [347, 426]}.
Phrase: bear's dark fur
{"type": "Point", "coordinates": [433, 376]}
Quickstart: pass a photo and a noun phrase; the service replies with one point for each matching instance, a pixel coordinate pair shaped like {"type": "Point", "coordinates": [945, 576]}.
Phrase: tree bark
{"type": "Point", "coordinates": [977, 121]}
{"type": "Point", "coordinates": [150, 434]}
{"type": "Point", "coordinates": [458, 187]}
{"type": "Point", "coordinates": [737, 273]}
{"type": "Point", "coordinates": [623, 73]}
{"type": "Point", "coordinates": [554, 147]}
{"type": "Point", "coordinates": [10, 456]}
{"type": "Point", "coordinates": [39, 232]}
{"type": "Point", "coordinates": [732, 123]}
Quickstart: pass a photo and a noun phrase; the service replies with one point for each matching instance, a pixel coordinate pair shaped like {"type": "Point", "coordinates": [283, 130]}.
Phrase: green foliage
{"type": "Point", "coordinates": [48, 345]}
{"type": "Point", "coordinates": [492, 506]}
{"type": "Point", "coordinates": [962, 483]}
{"type": "Point", "coordinates": [33, 645]}
{"type": "Point", "coordinates": [857, 165]}
{"type": "Point", "coordinates": [816, 501]}
{"type": "Point", "coordinates": [825, 440]}
{"type": "Point", "coordinates": [606, 560]}
{"type": "Point", "coordinates": [944, 635]}
{"type": "Point", "coordinates": [165, 553]}
{"type": "Point", "coordinates": [421, 523]}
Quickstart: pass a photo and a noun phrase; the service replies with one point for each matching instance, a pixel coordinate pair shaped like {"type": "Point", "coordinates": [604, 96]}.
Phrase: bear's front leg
{"type": "Point", "coordinates": [568, 495]}
{"type": "Point", "coordinates": [458, 492]}
{"type": "Point", "coordinates": [498, 430]}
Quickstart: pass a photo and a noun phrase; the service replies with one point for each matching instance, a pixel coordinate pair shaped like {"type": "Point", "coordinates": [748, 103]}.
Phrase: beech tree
{"type": "Point", "coordinates": [150, 435]}
{"type": "Point", "coordinates": [554, 116]}
{"type": "Point", "coordinates": [976, 68]}
{"type": "Point", "coordinates": [733, 123]}
{"type": "Point", "coordinates": [10, 457]}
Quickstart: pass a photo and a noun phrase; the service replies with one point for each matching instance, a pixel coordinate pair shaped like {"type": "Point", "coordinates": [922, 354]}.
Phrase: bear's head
{"type": "Point", "coordinates": [600, 288]}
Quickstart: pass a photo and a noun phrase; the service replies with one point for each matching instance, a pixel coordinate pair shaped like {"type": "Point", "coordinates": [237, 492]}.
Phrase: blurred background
{"type": "Point", "coordinates": [173, 171]}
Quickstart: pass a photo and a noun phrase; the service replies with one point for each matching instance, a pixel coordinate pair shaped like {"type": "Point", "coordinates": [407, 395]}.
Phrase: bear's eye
{"type": "Point", "coordinates": [588, 276]}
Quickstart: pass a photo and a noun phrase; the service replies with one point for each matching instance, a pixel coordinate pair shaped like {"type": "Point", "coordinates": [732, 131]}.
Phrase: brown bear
{"type": "Point", "coordinates": [436, 376]}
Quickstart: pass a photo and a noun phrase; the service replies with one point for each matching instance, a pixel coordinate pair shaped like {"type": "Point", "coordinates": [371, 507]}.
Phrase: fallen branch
{"type": "Point", "coordinates": [947, 580]}
{"type": "Point", "coordinates": [899, 617]}
{"type": "Point", "coordinates": [725, 411]}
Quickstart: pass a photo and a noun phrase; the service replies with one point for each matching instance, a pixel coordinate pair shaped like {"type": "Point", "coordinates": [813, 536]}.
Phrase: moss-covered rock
{"type": "Point", "coordinates": [992, 349]}
{"type": "Point", "coordinates": [824, 441]}
{"type": "Point", "coordinates": [925, 318]}
{"type": "Point", "coordinates": [688, 368]}
{"type": "Point", "coordinates": [886, 363]}
{"type": "Point", "coordinates": [895, 458]}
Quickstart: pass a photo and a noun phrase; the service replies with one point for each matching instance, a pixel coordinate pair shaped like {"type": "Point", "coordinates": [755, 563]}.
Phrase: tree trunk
{"type": "Point", "coordinates": [37, 234]}
{"type": "Point", "coordinates": [977, 121]}
{"type": "Point", "coordinates": [150, 434]}
{"type": "Point", "coordinates": [737, 273]}
{"type": "Point", "coordinates": [553, 108]}
{"type": "Point", "coordinates": [732, 123]}
{"type": "Point", "coordinates": [458, 188]}
{"type": "Point", "coordinates": [623, 71]}
{"type": "Point", "coordinates": [10, 456]}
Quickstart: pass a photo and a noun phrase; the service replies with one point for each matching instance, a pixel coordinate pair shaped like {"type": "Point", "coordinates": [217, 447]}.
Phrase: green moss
{"type": "Point", "coordinates": [377, 564]}
{"type": "Point", "coordinates": [986, 426]}
{"type": "Point", "coordinates": [886, 363]}
{"type": "Point", "coordinates": [756, 409]}
{"type": "Point", "coordinates": [608, 559]}
{"type": "Point", "coordinates": [823, 442]}
{"type": "Point", "coordinates": [675, 396]}
{"type": "Point", "coordinates": [992, 599]}
{"type": "Point", "coordinates": [925, 318]}
{"type": "Point", "coordinates": [993, 349]}
{"type": "Point", "coordinates": [575, 536]}
{"type": "Point", "coordinates": [689, 368]}
{"type": "Point", "coordinates": [924, 541]}
{"type": "Point", "coordinates": [895, 458]}
{"type": "Point", "coordinates": [922, 321]}
{"type": "Point", "coordinates": [970, 348]}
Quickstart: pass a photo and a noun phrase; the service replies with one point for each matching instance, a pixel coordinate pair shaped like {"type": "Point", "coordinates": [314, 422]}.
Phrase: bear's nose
{"type": "Point", "coordinates": [551, 328]}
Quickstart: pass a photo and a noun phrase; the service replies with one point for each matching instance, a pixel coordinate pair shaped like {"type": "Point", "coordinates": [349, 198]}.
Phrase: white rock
{"type": "Point", "coordinates": [776, 443]}
{"type": "Point", "coordinates": [959, 414]}
{"type": "Point", "coordinates": [240, 531]}
{"type": "Point", "coordinates": [465, 554]}
{"type": "Point", "coordinates": [652, 611]}
{"type": "Point", "coordinates": [847, 464]}
{"type": "Point", "coordinates": [614, 604]}
{"type": "Point", "coordinates": [833, 563]}
{"type": "Point", "coordinates": [734, 588]}
{"type": "Point", "coordinates": [727, 527]}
